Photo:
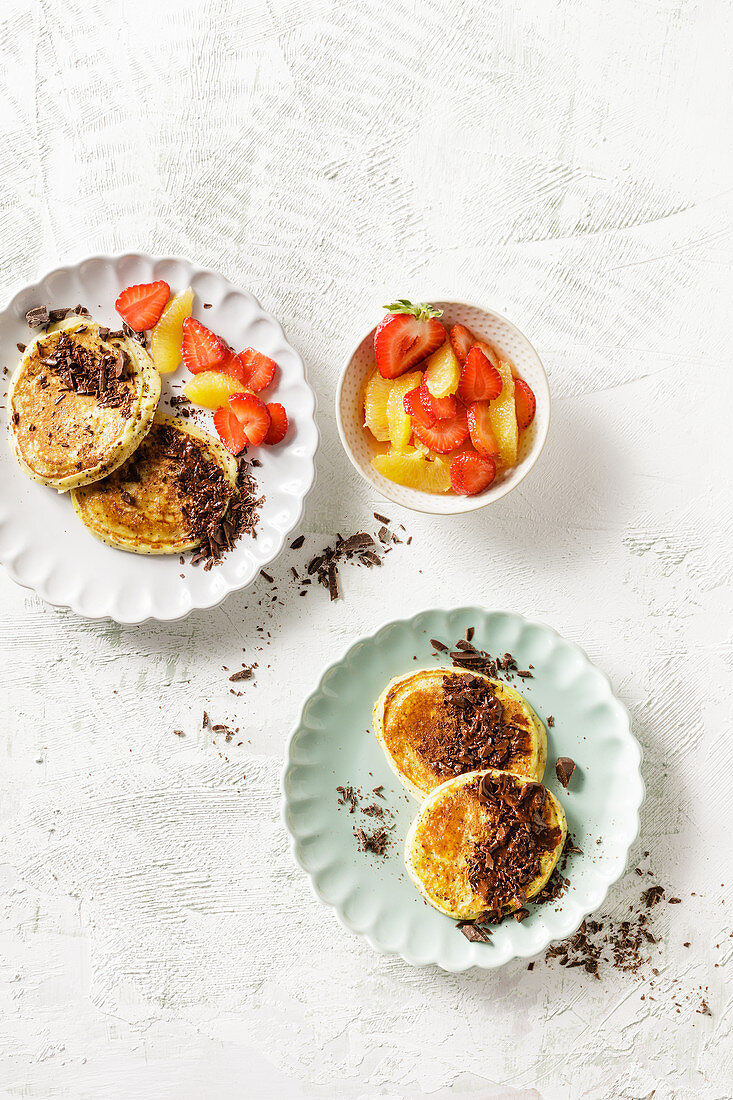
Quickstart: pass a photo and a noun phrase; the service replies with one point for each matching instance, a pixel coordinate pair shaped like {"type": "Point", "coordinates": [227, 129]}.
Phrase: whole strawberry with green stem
{"type": "Point", "coordinates": [407, 335]}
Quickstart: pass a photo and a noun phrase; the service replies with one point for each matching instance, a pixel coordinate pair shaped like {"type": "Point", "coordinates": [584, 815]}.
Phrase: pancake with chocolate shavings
{"type": "Point", "coordinates": [80, 402]}
{"type": "Point", "coordinates": [484, 842]}
{"type": "Point", "coordinates": [436, 723]}
{"type": "Point", "coordinates": [173, 494]}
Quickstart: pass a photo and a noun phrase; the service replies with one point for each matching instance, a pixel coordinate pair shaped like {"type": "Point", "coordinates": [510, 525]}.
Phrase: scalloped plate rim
{"type": "Point", "coordinates": [514, 953]}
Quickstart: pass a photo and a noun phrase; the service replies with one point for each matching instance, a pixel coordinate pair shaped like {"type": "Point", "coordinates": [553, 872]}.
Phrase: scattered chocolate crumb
{"type": "Point", "coordinates": [297, 543]}
{"type": "Point", "coordinates": [243, 674]}
{"type": "Point", "coordinates": [179, 733]}
{"type": "Point", "coordinates": [267, 576]}
{"type": "Point", "coordinates": [564, 768]}
{"type": "Point", "coordinates": [20, 347]}
{"type": "Point", "coordinates": [530, 966]}
{"type": "Point", "coordinates": [381, 519]}
{"type": "Point", "coordinates": [207, 305]}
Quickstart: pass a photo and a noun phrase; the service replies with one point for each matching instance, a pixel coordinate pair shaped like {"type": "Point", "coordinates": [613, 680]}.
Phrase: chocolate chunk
{"type": "Point", "coordinates": [652, 896]}
{"type": "Point", "coordinates": [297, 543]}
{"type": "Point", "coordinates": [244, 674]}
{"type": "Point", "coordinates": [333, 584]}
{"type": "Point", "coordinates": [550, 721]}
{"type": "Point", "coordinates": [267, 576]}
{"type": "Point", "coordinates": [126, 497]}
{"type": "Point", "coordinates": [381, 519]}
{"type": "Point", "coordinates": [440, 646]}
{"type": "Point", "coordinates": [361, 541]}
{"type": "Point", "coordinates": [59, 314]}
{"type": "Point", "coordinates": [520, 915]}
{"type": "Point", "coordinates": [37, 317]}
{"type": "Point", "coordinates": [564, 768]}
{"type": "Point", "coordinates": [20, 347]}
{"type": "Point", "coordinates": [473, 932]}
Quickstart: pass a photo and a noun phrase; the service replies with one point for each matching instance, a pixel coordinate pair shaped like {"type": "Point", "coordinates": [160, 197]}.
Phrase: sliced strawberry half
{"type": "Point", "coordinates": [407, 335]}
{"type": "Point", "coordinates": [278, 423]}
{"type": "Point", "coordinates": [201, 348]}
{"type": "Point", "coordinates": [140, 306]}
{"type": "Point", "coordinates": [461, 341]}
{"type": "Point", "coordinates": [525, 402]}
{"type": "Point", "coordinates": [255, 370]}
{"type": "Point", "coordinates": [480, 381]}
{"type": "Point", "coordinates": [230, 429]}
{"type": "Point", "coordinates": [444, 435]}
{"type": "Point", "coordinates": [417, 410]}
{"type": "Point", "coordinates": [230, 364]}
{"type": "Point", "coordinates": [471, 473]}
{"type": "Point", "coordinates": [480, 430]}
{"type": "Point", "coordinates": [440, 408]}
{"type": "Point", "coordinates": [252, 415]}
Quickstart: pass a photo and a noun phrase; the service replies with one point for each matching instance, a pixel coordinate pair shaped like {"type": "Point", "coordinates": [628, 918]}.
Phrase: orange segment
{"type": "Point", "coordinates": [400, 425]}
{"type": "Point", "coordinates": [443, 372]}
{"type": "Point", "coordinates": [376, 396]}
{"type": "Point", "coordinates": [414, 471]}
{"type": "Point", "coordinates": [167, 336]}
{"type": "Point", "coordinates": [211, 388]}
{"type": "Point", "coordinates": [503, 418]}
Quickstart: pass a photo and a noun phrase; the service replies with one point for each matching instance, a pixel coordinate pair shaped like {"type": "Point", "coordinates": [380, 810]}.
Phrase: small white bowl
{"type": "Point", "coordinates": [485, 324]}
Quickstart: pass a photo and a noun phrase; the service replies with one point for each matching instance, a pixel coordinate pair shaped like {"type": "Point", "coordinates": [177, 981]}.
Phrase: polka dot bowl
{"type": "Point", "coordinates": [359, 445]}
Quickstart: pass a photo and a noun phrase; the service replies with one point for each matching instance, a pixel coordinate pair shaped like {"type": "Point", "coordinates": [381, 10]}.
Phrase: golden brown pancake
{"type": "Point", "coordinates": [79, 404]}
{"type": "Point", "coordinates": [427, 735]}
{"type": "Point", "coordinates": [484, 841]}
{"type": "Point", "coordinates": [159, 501]}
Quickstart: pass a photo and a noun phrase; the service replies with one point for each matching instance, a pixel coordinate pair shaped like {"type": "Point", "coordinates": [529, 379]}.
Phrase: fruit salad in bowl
{"type": "Point", "coordinates": [444, 407]}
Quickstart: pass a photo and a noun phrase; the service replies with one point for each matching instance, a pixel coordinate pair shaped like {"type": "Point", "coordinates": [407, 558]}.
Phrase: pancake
{"type": "Point", "coordinates": [163, 499]}
{"type": "Point", "coordinates": [484, 842]}
{"type": "Point", "coordinates": [79, 404]}
{"type": "Point", "coordinates": [430, 736]}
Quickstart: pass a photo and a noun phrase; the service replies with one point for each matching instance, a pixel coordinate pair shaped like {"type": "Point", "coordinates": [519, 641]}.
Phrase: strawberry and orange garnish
{"type": "Point", "coordinates": [224, 380]}
{"type": "Point", "coordinates": [444, 406]}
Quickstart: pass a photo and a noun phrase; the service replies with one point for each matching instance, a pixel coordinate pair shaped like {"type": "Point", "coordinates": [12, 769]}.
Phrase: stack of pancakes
{"type": "Point", "coordinates": [472, 751]}
{"type": "Point", "coordinates": [82, 416]}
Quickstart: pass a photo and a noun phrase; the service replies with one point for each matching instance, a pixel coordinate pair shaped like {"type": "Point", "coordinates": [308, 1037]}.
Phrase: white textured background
{"type": "Point", "coordinates": [569, 162]}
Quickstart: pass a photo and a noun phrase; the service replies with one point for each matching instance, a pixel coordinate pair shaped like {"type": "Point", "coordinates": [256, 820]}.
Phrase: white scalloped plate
{"type": "Point", "coordinates": [486, 324]}
{"type": "Point", "coordinates": [334, 745]}
{"type": "Point", "coordinates": [43, 546]}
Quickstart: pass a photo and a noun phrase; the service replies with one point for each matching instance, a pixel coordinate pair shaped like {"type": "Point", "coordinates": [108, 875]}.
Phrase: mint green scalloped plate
{"type": "Point", "coordinates": [334, 745]}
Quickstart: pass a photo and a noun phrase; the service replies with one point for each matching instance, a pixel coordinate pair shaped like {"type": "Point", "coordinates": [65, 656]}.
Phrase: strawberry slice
{"type": "Point", "coordinates": [254, 369]}
{"type": "Point", "coordinates": [440, 408]}
{"type": "Point", "coordinates": [230, 364]}
{"type": "Point", "coordinates": [408, 334]}
{"type": "Point", "coordinates": [141, 305]}
{"type": "Point", "coordinates": [480, 430]}
{"type": "Point", "coordinates": [461, 341]}
{"type": "Point", "coordinates": [525, 402]}
{"type": "Point", "coordinates": [444, 435]}
{"type": "Point", "coordinates": [252, 414]}
{"type": "Point", "coordinates": [417, 410]}
{"type": "Point", "coordinates": [278, 423]}
{"type": "Point", "coordinates": [471, 473]}
{"type": "Point", "coordinates": [230, 429]}
{"type": "Point", "coordinates": [480, 381]}
{"type": "Point", "coordinates": [201, 349]}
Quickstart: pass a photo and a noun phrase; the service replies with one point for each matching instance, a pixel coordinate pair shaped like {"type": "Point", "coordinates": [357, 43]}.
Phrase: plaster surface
{"type": "Point", "coordinates": [570, 164]}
